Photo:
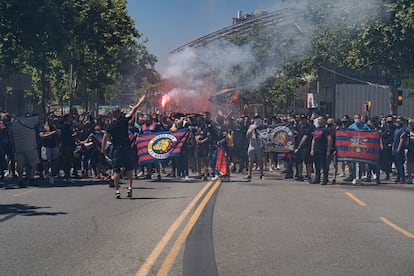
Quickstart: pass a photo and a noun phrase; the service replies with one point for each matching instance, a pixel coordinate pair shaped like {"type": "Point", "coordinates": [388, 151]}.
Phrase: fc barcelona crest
{"type": "Point", "coordinates": [162, 145]}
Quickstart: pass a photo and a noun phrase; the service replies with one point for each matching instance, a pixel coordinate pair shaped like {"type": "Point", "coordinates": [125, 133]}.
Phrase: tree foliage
{"type": "Point", "coordinates": [388, 43]}
{"type": "Point", "coordinates": [97, 37]}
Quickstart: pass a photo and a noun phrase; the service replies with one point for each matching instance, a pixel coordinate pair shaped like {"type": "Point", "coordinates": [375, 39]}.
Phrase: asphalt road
{"type": "Point", "coordinates": [269, 227]}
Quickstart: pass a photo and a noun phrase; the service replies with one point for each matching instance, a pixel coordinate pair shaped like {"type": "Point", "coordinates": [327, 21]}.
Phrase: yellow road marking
{"type": "Point", "coordinates": [396, 227]}
{"type": "Point", "coordinates": [357, 200]}
{"type": "Point", "coordinates": [150, 261]}
{"type": "Point", "coordinates": [172, 255]}
{"type": "Point", "coordinates": [23, 193]}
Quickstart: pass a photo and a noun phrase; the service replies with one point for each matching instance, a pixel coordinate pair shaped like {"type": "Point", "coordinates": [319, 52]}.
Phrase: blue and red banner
{"type": "Point", "coordinates": [159, 146]}
{"type": "Point", "coordinates": [97, 140]}
{"type": "Point", "coordinates": [357, 146]}
{"type": "Point", "coordinates": [219, 162]}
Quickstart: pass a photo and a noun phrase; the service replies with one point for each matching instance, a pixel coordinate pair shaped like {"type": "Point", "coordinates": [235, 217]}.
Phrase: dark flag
{"type": "Point", "coordinates": [228, 96]}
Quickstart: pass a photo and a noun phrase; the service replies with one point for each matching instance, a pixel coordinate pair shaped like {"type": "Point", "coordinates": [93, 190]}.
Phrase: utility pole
{"type": "Point", "coordinates": [70, 88]}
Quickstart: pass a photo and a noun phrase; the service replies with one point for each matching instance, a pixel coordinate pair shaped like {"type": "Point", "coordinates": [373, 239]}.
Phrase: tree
{"type": "Point", "coordinates": [389, 42]}
{"type": "Point", "coordinates": [96, 36]}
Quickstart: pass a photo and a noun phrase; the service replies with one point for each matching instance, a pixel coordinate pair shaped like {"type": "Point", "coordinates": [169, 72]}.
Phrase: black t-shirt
{"type": "Point", "coordinates": [332, 132]}
{"type": "Point", "coordinates": [66, 138]}
{"type": "Point", "coordinates": [321, 139]}
{"type": "Point", "coordinates": [119, 132]}
{"type": "Point", "coordinates": [49, 141]}
{"type": "Point", "coordinates": [239, 136]}
{"type": "Point", "coordinates": [387, 135]}
{"type": "Point", "coordinates": [85, 130]}
{"type": "Point", "coordinates": [305, 130]}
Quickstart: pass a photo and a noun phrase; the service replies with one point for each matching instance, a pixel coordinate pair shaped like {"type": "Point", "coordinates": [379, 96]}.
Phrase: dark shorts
{"type": "Point", "coordinates": [410, 157]}
{"type": "Point", "coordinates": [303, 156]}
{"type": "Point", "coordinates": [97, 157]}
{"type": "Point", "coordinates": [201, 151]}
{"type": "Point", "coordinates": [239, 152]}
{"type": "Point", "coordinates": [191, 151]}
{"type": "Point", "coordinates": [122, 157]}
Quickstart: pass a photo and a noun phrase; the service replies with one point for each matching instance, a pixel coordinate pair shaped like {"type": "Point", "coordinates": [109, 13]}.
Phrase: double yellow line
{"type": "Point", "coordinates": [173, 253]}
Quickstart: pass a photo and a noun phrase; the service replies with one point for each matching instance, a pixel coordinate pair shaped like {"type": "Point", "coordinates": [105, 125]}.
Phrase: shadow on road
{"type": "Point", "coordinates": [44, 183]}
{"type": "Point", "coordinates": [12, 210]}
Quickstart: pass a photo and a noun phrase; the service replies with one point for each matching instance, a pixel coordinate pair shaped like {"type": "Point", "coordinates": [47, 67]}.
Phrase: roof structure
{"type": "Point", "coordinates": [279, 19]}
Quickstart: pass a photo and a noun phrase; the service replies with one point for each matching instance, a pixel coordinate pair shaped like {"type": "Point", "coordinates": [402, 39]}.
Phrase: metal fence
{"type": "Point", "coordinates": [350, 99]}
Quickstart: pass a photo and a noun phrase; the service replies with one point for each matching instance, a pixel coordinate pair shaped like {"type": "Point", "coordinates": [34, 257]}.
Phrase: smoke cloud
{"type": "Point", "coordinates": [202, 71]}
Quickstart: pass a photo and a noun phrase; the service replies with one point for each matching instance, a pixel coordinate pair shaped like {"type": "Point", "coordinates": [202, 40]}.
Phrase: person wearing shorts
{"type": "Point", "coordinates": [49, 150]}
{"type": "Point", "coordinates": [302, 151]}
{"type": "Point", "coordinates": [255, 150]}
{"type": "Point", "coordinates": [201, 153]}
{"type": "Point", "coordinates": [24, 137]}
{"type": "Point", "coordinates": [122, 155]}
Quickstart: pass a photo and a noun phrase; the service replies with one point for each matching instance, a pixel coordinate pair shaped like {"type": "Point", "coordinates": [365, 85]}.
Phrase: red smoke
{"type": "Point", "coordinates": [187, 99]}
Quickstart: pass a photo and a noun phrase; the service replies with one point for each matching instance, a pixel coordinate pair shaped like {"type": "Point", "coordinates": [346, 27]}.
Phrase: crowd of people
{"type": "Point", "coordinates": [77, 146]}
{"type": "Point", "coordinates": [315, 149]}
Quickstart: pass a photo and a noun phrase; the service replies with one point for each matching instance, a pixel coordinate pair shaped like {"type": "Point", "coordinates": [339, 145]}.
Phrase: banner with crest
{"type": "Point", "coordinates": [357, 146]}
{"type": "Point", "coordinates": [159, 146]}
{"type": "Point", "coordinates": [276, 138]}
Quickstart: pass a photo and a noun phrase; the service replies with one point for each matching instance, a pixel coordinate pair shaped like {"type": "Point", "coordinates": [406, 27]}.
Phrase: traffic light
{"type": "Point", "coordinates": [400, 97]}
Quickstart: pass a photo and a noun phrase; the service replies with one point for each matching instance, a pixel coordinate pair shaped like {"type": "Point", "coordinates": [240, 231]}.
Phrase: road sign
{"type": "Point", "coordinates": [395, 82]}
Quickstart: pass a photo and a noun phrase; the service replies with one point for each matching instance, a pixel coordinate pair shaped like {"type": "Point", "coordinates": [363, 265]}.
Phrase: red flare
{"type": "Point", "coordinates": [165, 100]}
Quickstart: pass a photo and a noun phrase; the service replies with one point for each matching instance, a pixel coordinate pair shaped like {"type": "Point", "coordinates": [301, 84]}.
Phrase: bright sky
{"type": "Point", "coordinates": [169, 24]}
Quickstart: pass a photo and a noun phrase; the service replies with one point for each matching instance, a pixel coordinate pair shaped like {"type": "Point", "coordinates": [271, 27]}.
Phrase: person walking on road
{"type": "Point", "coordinates": [255, 150]}
{"type": "Point", "coordinates": [356, 171]}
{"type": "Point", "coordinates": [321, 148]}
{"type": "Point", "coordinates": [387, 139]}
{"type": "Point", "coordinates": [398, 149]}
{"type": "Point", "coordinates": [23, 136]}
{"type": "Point", "coordinates": [302, 151]}
{"type": "Point", "coordinates": [122, 155]}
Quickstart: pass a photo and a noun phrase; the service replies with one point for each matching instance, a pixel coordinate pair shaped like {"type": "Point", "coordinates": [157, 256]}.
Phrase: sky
{"type": "Point", "coordinates": [169, 24]}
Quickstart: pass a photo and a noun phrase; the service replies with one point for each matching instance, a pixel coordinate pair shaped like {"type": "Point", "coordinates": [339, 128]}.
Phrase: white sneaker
{"type": "Point", "coordinates": [129, 193]}
{"type": "Point", "coordinates": [215, 177]}
{"type": "Point", "coordinates": [356, 181]}
{"type": "Point", "coordinates": [186, 178]}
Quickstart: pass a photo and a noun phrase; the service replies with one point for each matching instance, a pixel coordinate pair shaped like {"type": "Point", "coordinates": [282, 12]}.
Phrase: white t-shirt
{"type": "Point", "coordinates": [23, 133]}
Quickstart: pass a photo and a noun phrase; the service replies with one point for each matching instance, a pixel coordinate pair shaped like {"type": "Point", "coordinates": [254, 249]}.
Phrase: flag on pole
{"type": "Point", "coordinates": [228, 96]}
{"type": "Point", "coordinates": [159, 146]}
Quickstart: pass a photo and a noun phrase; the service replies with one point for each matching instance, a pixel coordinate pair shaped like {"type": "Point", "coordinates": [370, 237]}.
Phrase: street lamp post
{"type": "Point", "coordinates": [70, 88]}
